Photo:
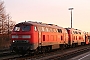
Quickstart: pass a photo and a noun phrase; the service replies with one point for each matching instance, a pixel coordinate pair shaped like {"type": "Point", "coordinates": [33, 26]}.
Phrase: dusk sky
{"type": "Point", "coordinates": [51, 11]}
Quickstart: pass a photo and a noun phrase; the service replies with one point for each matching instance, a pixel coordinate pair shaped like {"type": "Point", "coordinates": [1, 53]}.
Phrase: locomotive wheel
{"type": "Point", "coordinates": [50, 48]}
{"type": "Point", "coordinates": [82, 43]}
{"type": "Point", "coordinates": [39, 49]}
{"type": "Point", "coordinates": [62, 46]}
{"type": "Point", "coordinates": [66, 46]}
{"type": "Point", "coordinates": [76, 45]}
{"type": "Point", "coordinates": [73, 45]}
{"type": "Point", "coordinates": [36, 52]}
{"type": "Point", "coordinates": [23, 54]}
{"type": "Point", "coordinates": [43, 49]}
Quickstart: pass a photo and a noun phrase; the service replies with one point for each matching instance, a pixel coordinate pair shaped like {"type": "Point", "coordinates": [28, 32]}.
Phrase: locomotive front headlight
{"type": "Point", "coordinates": [13, 40]}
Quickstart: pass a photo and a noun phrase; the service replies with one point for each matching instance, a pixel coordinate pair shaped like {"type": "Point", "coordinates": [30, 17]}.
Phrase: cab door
{"type": "Point", "coordinates": [39, 38]}
{"type": "Point", "coordinates": [69, 37]}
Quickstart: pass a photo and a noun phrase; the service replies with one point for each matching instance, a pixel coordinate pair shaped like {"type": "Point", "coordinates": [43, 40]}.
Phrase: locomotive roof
{"type": "Point", "coordinates": [40, 24]}
{"type": "Point", "coordinates": [72, 29]}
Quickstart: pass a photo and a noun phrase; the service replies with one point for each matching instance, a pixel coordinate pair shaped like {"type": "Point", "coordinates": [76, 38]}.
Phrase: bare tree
{"type": "Point", "coordinates": [6, 25]}
{"type": "Point", "coordinates": [2, 16]}
{"type": "Point", "coordinates": [9, 24]}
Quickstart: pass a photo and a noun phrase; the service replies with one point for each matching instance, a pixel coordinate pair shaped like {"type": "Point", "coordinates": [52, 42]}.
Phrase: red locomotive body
{"type": "Point", "coordinates": [87, 38]}
{"type": "Point", "coordinates": [28, 37]}
{"type": "Point", "coordinates": [76, 37]}
{"type": "Point", "coordinates": [35, 36]}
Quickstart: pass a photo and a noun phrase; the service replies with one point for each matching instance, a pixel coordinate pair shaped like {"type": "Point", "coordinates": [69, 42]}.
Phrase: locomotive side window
{"type": "Point", "coordinates": [42, 28]}
{"type": "Point", "coordinates": [50, 29]}
{"type": "Point", "coordinates": [46, 29]}
{"type": "Point", "coordinates": [17, 28]}
{"type": "Point", "coordinates": [79, 32]}
{"type": "Point", "coordinates": [35, 28]}
{"type": "Point", "coordinates": [73, 32]}
{"type": "Point", "coordinates": [59, 30]}
{"type": "Point", "coordinates": [25, 28]}
{"type": "Point", "coordinates": [56, 30]}
{"type": "Point", "coordinates": [65, 31]}
{"type": "Point", "coordinates": [76, 32]}
{"type": "Point", "coordinates": [39, 28]}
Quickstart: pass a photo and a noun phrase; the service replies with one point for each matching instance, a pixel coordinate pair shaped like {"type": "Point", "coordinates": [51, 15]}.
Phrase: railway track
{"type": "Point", "coordinates": [65, 54]}
{"type": "Point", "coordinates": [5, 49]}
{"type": "Point", "coordinates": [54, 55]}
{"type": "Point", "coordinates": [5, 53]}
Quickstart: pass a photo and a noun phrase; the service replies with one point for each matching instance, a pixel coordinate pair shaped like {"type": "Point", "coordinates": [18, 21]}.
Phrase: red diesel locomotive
{"type": "Point", "coordinates": [37, 36]}
{"type": "Point", "coordinates": [76, 37]}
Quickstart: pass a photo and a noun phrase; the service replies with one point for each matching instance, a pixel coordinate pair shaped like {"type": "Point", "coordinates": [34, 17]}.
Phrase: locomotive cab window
{"type": "Point", "coordinates": [59, 30]}
{"type": "Point", "coordinates": [17, 28]}
{"type": "Point", "coordinates": [25, 28]}
{"type": "Point", "coordinates": [35, 28]}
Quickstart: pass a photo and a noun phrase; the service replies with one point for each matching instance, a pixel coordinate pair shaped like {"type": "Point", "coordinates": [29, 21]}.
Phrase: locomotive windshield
{"type": "Point", "coordinates": [17, 28]}
{"type": "Point", "coordinates": [23, 28]}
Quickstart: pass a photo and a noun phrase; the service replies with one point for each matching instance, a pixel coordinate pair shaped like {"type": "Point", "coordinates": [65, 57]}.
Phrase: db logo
{"type": "Point", "coordinates": [20, 36]}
